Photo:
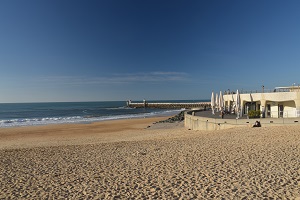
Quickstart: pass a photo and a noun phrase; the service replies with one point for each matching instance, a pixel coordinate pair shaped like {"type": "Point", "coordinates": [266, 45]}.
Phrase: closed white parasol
{"type": "Point", "coordinates": [237, 101]}
{"type": "Point", "coordinates": [217, 102]}
{"type": "Point", "coordinates": [212, 102]}
{"type": "Point", "coordinates": [221, 101]}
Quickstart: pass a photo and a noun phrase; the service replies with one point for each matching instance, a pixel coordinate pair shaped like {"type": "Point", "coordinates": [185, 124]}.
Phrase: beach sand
{"type": "Point", "coordinates": [127, 159]}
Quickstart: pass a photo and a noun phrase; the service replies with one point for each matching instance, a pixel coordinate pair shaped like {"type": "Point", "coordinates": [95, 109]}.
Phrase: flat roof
{"type": "Point", "coordinates": [289, 87]}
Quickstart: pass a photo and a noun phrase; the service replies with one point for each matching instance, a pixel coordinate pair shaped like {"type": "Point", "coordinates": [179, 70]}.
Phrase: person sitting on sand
{"type": "Point", "coordinates": [257, 124]}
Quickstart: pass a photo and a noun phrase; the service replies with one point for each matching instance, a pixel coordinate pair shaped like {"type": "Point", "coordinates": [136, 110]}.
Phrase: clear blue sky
{"type": "Point", "coordinates": [67, 50]}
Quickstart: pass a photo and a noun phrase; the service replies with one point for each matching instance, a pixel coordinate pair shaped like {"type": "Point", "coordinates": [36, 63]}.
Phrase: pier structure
{"type": "Point", "coordinates": [145, 104]}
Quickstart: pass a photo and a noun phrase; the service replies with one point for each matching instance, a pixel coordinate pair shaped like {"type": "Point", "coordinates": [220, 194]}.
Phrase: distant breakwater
{"type": "Point", "coordinates": [145, 104]}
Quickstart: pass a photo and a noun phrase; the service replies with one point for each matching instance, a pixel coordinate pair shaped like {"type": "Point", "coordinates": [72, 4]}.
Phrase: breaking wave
{"type": "Point", "coordinates": [80, 119]}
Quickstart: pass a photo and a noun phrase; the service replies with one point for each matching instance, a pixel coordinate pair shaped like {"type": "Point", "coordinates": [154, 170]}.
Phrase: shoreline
{"type": "Point", "coordinates": [63, 134]}
{"type": "Point", "coordinates": [28, 122]}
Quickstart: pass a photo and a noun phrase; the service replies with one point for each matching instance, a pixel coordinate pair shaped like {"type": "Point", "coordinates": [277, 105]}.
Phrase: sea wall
{"type": "Point", "coordinates": [203, 123]}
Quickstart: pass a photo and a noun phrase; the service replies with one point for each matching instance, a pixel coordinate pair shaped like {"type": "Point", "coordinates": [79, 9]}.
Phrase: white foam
{"type": "Point", "coordinates": [79, 119]}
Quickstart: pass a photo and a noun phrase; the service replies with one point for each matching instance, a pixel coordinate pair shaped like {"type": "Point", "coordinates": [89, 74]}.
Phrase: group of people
{"type": "Point", "coordinates": [256, 124]}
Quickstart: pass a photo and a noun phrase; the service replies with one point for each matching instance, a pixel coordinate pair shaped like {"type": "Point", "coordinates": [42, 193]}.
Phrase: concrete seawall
{"type": "Point", "coordinates": [197, 105]}
{"type": "Point", "coordinates": [204, 123]}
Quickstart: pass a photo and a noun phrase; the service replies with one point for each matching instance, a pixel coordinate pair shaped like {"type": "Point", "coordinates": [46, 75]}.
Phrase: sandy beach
{"type": "Point", "coordinates": [136, 159]}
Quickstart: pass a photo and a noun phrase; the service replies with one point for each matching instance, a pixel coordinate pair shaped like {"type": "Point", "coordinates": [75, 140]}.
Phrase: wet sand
{"type": "Point", "coordinates": [127, 159]}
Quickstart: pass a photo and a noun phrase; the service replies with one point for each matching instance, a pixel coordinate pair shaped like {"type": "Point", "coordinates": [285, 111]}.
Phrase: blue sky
{"type": "Point", "coordinates": [67, 50]}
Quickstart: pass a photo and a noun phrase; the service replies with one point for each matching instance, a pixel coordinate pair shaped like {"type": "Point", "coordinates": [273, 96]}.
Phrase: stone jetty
{"type": "Point", "coordinates": [145, 104]}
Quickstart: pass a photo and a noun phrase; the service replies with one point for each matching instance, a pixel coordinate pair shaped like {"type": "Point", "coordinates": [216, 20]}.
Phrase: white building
{"type": "Point", "coordinates": [282, 102]}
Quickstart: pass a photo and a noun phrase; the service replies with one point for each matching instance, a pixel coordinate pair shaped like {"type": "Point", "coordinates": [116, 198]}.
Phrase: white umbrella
{"type": "Point", "coordinates": [212, 102]}
{"type": "Point", "coordinates": [229, 103]}
{"type": "Point", "coordinates": [221, 101]}
{"type": "Point", "coordinates": [237, 101]}
{"type": "Point", "coordinates": [217, 102]}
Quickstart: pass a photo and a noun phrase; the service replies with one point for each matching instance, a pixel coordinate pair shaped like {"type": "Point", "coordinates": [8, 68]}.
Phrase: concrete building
{"type": "Point", "coordinates": [282, 102]}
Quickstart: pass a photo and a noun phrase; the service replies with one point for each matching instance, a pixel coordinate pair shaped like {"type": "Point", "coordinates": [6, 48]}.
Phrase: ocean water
{"type": "Point", "coordinates": [30, 114]}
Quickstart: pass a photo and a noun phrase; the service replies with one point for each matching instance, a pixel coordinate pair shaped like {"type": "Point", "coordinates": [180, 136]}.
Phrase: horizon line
{"type": "Point", "coordinates": [104, 101]}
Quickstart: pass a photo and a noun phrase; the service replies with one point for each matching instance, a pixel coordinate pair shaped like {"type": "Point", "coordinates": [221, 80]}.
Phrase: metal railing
{"type": "Point", "coordinates": [290, 89]}
{"type": "Point", "coordinates": [281, 114]}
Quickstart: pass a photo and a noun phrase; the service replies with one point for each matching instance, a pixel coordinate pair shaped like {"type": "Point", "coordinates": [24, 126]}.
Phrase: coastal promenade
{"type": "Point", "coordinates": [165, 105]}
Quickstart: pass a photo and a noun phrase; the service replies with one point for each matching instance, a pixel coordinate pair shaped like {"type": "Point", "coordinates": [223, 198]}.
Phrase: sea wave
{"type": "Point", "coordinates": [80, 119]}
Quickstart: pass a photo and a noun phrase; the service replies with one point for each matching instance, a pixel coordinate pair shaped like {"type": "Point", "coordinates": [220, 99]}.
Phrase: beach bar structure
{"type": "Point", "coordinates": [282, 102]}
{"type": "Point", "coordinates": [278, 107]}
